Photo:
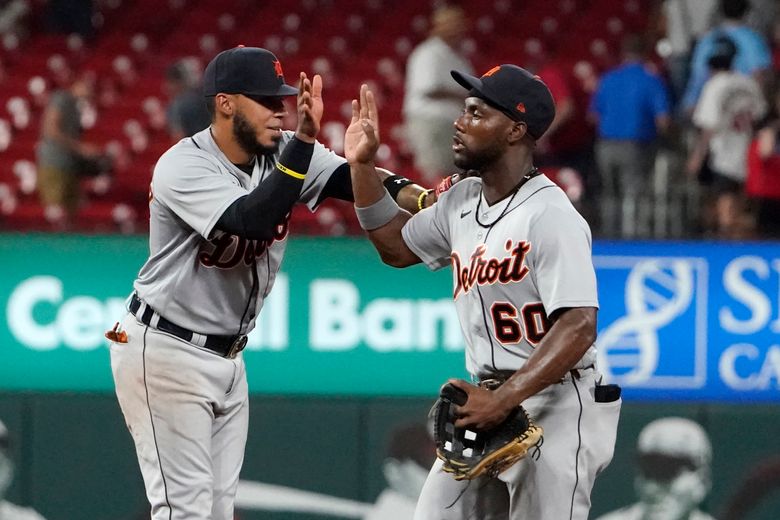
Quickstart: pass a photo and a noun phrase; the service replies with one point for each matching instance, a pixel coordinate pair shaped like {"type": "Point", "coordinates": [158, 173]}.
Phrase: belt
{"type": "Point", "coordinates": [225, 346]}
{"type": "Point", "coordinates": [493, 381]}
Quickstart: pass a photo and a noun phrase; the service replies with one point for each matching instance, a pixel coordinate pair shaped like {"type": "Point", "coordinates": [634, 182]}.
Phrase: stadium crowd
{"type": "Point", "coordinates": [668, 110]}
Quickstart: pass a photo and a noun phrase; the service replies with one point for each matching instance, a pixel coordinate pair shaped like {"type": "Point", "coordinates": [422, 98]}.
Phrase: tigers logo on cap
{"type": "Point", "coordinates": [492, 71]}
{"type": "Point", "coordinates": [250, 71]}
{"type": "Point", "coordinates": [514, 91]}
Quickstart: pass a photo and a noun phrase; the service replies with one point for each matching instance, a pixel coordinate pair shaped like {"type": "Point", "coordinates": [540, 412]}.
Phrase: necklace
{"type": "Point", "coordinates": [528, 176]}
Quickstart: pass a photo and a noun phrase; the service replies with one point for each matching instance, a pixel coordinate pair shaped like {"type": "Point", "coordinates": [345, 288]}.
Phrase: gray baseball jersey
{"type": "Point", "coordinates": [200, 278]}
{"type": "Point", "coordinates": [186, 407]}
{"type": "Point", "coordinates": [513, 264]}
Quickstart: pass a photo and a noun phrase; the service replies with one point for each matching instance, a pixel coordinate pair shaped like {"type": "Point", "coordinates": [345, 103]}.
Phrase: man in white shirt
{"type": "Point", "coordinates": [433, 99]}
{"type": "Point", "coordinates": [729, 106]}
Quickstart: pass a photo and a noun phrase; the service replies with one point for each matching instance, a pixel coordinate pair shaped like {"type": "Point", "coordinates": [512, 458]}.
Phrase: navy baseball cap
{"type": "Point", "coordinates": [517, 93]}
{"type": "Point", "coordinates": [246, 70]}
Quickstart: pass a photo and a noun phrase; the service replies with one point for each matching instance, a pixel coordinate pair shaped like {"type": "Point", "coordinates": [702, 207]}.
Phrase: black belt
{"type": "Point", "coordinates": [225, 346]}
{"type": "Point", "coordinates": [497, 379]}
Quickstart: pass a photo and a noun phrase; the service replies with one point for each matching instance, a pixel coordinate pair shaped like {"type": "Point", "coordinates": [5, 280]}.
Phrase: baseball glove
{"type": "Point", "coordinates": [468, 454]}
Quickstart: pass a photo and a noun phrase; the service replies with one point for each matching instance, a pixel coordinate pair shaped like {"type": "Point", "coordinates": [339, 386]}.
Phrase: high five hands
{"type": "Point", "coordinates": [310, 107]}
{"type": "Point", "coordinates": [361, 140]}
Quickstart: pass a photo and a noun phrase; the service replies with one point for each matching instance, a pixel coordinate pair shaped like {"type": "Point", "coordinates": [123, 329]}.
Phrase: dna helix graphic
{"type": "Point", "coordinates": [657, 291]}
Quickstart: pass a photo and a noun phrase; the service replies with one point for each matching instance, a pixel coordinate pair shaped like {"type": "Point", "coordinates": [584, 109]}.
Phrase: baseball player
{"type": "Point", "coordinates": [219, 208]}
{"type": "Point", "coordinates": [525, 292]}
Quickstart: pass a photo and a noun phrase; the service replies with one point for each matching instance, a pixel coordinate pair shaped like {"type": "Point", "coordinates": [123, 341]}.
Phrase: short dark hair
{"type": "Point", "coordinates": [211, 106]}
{"type": "Point", "coordinates": [734, 9]}
{"type": "Point", "coordinates": [633, 44]}
{"type": "Point", "coordinates": [723, 52]}
{"type": "Point", "coordinates": [177, 72]}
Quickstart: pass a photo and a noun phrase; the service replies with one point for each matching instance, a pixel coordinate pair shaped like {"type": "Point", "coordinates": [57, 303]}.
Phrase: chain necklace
{"type": "Point", "coordinates": [528, 176]}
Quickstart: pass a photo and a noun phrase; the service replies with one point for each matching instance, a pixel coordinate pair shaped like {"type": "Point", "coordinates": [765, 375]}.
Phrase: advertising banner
{"type": "Point", "coordinates": [680, 321]}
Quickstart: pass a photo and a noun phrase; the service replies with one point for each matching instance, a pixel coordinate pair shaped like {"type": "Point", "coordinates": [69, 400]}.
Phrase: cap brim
{"type": "Point", "coordinates": [287, 90]}
{"type": "Point", "coordinates": [467, 81]}
{"type": "Point", "coordinates": [283, 90]}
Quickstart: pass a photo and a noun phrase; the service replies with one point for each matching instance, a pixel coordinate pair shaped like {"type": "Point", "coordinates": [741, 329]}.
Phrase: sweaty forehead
{"type": "Point", "coordinates": [477, 102]}
{"type": "Point", "coordinates": [486, 108]}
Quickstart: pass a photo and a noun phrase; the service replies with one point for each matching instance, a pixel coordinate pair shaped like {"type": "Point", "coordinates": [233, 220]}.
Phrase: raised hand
{"type": "Point", "coordinates": [310, 107]}
{"type": "Point", "coordinates": [361, 139]}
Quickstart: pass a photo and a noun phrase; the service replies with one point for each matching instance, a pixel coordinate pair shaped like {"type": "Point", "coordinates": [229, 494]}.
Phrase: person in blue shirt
{"type": "Point", "coordinates": [753, 56]}
{"type": "Point", "coordinates": [630, 108]}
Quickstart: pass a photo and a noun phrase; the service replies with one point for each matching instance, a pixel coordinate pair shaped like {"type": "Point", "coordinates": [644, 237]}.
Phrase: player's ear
{"type": "Point", "coordinates": [517, 131]}
{"type": "Point", "coordinates": [224, 104]}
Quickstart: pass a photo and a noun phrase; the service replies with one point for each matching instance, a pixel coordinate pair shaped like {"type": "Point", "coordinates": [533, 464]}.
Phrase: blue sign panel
{"type": "Point", "coordinates": [690, 321]}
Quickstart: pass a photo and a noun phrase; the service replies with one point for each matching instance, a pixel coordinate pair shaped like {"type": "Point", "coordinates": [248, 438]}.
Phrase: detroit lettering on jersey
{"type": "Point", "coordinates": [487, 271]}
{"type": "Point", "coordinates": [226, 251]}
{"type": "Point", "coordinates": [194, 182]}
{"type": "Point", "coordinates": [510, 276]}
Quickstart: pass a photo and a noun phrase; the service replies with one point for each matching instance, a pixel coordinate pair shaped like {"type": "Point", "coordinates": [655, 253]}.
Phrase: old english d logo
{"type": "Point", "coordinates": [492, 71]}
{"type": "Point", "coordinates": [278, 68]}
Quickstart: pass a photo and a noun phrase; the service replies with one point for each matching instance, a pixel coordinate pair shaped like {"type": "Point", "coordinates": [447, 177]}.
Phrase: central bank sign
{"type": "Point", "coordinates": [677, 321]}
{"type": "Point", "coordinates": [338, 321]}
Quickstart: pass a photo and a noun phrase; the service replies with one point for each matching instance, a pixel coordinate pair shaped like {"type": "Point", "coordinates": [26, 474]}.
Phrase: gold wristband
{"type": "Point", "coordinates": [289, 172]}
{"type": "Point", "coordinates": [421, 198]}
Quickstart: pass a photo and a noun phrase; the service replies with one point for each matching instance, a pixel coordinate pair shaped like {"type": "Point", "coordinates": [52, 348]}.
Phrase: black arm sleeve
{"type": "Point", "coordinates": [256, 215]}
{"type": "Point", "coordinates": [339, 186]}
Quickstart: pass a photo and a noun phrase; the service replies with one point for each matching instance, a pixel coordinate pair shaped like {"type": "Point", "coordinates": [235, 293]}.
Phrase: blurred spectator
{"type": "Point", "coordinates": [186, 113]}
{"type": "Point", "coordinates": [729, 106]}
{"type": "Point", "coordinates": [62, 156]}
{"type": "Point", "coordinates": [762, 14]}
{"type": "Point", "coordinates": [12, 13]}
{"type": "Point", "coordinates": [763, 175]}
{"type": "Point", "coordinates": [568, 142]}
{"type": "Point", "coordinates": [684, 22]}
{"type": "Point", "coordinates": [433, 99]}
{"type": "Point", "coordinates": [410, 453]}
{"type": "Point", "coordinates": [753, 57]}
{"type": "Point", "coordinates": [631, 107]}
{"type": "Point", "coordinates": [775, 42]}
{"type": "Point", "coordinates": [9, 511]}
{"type": "Point", "coordinates": [673, 477]}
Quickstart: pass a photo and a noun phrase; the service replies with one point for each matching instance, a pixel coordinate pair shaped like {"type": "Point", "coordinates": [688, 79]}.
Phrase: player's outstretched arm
{"type": "Point", "coordinates": [256, 215]}
{"type": "Point", "coordinates": [377, 212]}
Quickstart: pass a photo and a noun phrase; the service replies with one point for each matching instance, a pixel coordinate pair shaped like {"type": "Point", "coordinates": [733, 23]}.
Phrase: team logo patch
{"type": "Point", "coordinates": [521, 108]}
{"type": "Point", "coordinates": [278, 69]}
{"type": "Point", "coordinates": [492, 71]}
